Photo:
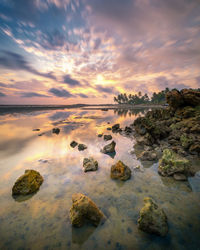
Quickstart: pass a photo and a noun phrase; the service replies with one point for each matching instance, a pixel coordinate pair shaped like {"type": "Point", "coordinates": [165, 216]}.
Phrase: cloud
{"type": "Point", "coordinates": [60, 93]}
{"type": "Point", "coordinates": [83, 95]}
{"type": "Point", "coordinates": [54, 40]}
{"type": "Point", "coordinates": [32, 94]}
{"type": "Point", "coordinates": [14, 61]}
{"type": "Point", "coordinates": [2, 94]}
{"type": "Point", "coordinates": [70, 81]}
{"type": "Point", "coordinates": [109, 90]}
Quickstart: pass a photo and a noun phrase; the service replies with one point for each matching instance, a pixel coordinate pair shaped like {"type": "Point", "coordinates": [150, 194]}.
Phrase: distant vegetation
{"type": "Point", "coordinates": [157, 98]}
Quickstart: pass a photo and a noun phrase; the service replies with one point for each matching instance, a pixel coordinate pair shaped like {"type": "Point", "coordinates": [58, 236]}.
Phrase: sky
{"type": "Point", "coordinates": [88, 51]}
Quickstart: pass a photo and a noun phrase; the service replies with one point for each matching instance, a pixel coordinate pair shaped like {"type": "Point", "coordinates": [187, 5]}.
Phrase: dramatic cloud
{"type": "Point", "coordinates": [60, 93]}
{"type": "Point", "coordinates": [70, 81]}
{"type": "Point", "coordinates": [15, 61]}
{"type": "Point", "coordinates": [32, 94]}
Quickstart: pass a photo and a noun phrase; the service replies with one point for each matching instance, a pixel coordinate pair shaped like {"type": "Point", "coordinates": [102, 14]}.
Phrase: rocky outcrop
{"type": "Point", "coordinates": [152, 218]}
{"type": "Point", "coordinates": [28, 183]}
{"type": "Point", "coordinates": [120, 171]}
{"type": "Point", "coordinates": [73, 144]}
{"type": "Point", "coordinates": [56, 131]}
{"type": "Point", "coordinates": [109, 148]}
{"type": "Point", "coordinates": [90, 164]}
{"type": "Point", "coordinates": [172, 163]}
{"type": "Point", "coordinates": [84, 209]}
{"type": "Point", "coordinates": [107, 137]}
{"type": "Point", "coordinates": [185, 97]}
{"type": "Point", "coordinates": [82, 147]}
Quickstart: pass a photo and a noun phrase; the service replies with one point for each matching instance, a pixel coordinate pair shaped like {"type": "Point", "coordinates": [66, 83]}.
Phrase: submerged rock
{"type": "Point", "coordinates": [83, 208]}
{"type": "Point", "coordinates": [109, 148]}
{"type": "Point", "coordinates": [172, 163]}
{"type": "Point", "coordinates": [73, 144]}
{"type": "Point", "coordinates": [82, 147]}
{"type": "Point", "coordinates": [107, 137]}
{"type": "Point", "coordinates": [152, 218]}
{"type": "Point", "coordinates": [148, 156]}
{"type": "Point", "coordinates": [28, 183]}
{"type": "Point", "coordinates": [90, 164]}
{"type": "Point", "coordinates": [120, 171]}
{"type": "Point", "coordinates": [56, 131]}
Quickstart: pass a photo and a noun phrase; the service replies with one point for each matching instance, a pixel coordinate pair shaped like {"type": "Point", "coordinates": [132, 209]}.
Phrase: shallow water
{"type": "Point", "coordinates": [41, 221]}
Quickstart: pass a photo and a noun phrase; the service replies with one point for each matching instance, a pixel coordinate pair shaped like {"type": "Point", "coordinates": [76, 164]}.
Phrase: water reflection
{"type": "Point", "coordinates": [130, 112]}
{"type": "Point", "coordinates": [42, 221]}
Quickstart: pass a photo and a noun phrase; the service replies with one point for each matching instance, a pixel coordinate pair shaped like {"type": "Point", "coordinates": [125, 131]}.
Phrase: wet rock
{"type": "Point", "coordinates": [116, 128]}
{"type": "Point", "coordinates": [90, 164]}
{"type": "Point", "coordinates": [56, 131]}
{"type": "Point", "coordinates": [36, 129]}
{"type": "Point", "coordinates": [120, 171]}
{"type": "Point", "coordinates": [82, 147]}
{"type": "Point", "coordinates": [100, 135]}
{"type": "Point", "coordinates": [107, 137]}
{"type": "Point", "coordinates": [83, 208]}
{"type": "Point", "coordinates": [172, 163]}
{"type": "Point", "coordinates": [28, 183]}
{"type": "Point", "coordinates": [180, 177]}
{"type": "Point", "coordinates": [148, 156]}
{"type": "Point", "coordinates": [109, 148]}
{"type": "Point", "coordinates": [73, 144]}
{"type": "Point", "coordinates": [152, 218]}
{"type": "Point", "coordinates": [109, 128]}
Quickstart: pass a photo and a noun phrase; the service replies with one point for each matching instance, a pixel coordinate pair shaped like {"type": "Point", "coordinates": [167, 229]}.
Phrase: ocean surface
{"type": "Point", "coordinates": [41, 221]}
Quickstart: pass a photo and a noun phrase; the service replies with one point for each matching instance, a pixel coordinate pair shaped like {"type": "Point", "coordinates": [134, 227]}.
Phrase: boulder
{"type": "Point", "coordinates": [28, 183]}
{"type": "Point", "coordinates": [84, 209]}
{"type": "Point", "coordinates": [90, 164]}
{"type": "Point", "coordinates": [73, 144]}
{"type": "Point", "coordinates": [172, 163]}
{"type": "Point", "coordinates": [56, 131]}
{"type": "Point", "coordinates": [148, 156]}
{"type": "Point", "coordinates": [109, 148]}
{"type": "Point", "coordinates": [107, 137]}
{"type": "Point", "coordinates": [120, 171]}
{"type": "Point", "coordinates": [82, 147]}
{"type": "Point", "coordinates": [152, 218]}
{"type": "Point", "coordinates": [116, 128]}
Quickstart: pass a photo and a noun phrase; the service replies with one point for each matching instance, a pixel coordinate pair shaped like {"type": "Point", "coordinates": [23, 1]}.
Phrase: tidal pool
{"type": "Point", "coordinates": [41, 221]}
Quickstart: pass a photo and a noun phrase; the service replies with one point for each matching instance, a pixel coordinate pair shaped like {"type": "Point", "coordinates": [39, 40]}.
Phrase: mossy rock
{"type": "Point", "coordinates": [120, 171]}
{"type": "Point", "coordinates": [172, 163]}
{"type": "Point", "coordinates": [152, 218]}
{"type": "Point", "coordinates": [84, 209]}
{"type": "Point", "coordinates": [186, 141]}
{"type": "Point", "coordinates": [28, 183]}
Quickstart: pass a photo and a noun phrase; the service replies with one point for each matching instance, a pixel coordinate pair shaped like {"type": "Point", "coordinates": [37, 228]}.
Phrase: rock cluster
{"type": "Point", "coordinates": [83, 209]}
{"type": "Point", "coordinates": [28, 183]}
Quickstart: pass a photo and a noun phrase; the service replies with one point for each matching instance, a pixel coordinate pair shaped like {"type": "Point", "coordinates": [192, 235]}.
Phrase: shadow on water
{"type": "Point", "coordinates": [21, 198]}
{"type": "Point", "coordinates": [81, 235]}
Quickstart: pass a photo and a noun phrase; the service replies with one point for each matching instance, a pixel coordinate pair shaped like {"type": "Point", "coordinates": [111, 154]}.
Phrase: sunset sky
{"type": "Point", "coordinates": [87, 51]}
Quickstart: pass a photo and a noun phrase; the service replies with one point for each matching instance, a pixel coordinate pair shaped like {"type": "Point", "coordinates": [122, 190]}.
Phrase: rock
{"type": "Point", "coordinates": [83, 208]}
{"type": "Point", "coordinates": [36, 129]}
{"type": "Point", "coordinates": [174, 99]}
{"type": "Point", "coordinates": [116, 128]}
{"type": "Point", "coordinates": [186, 141]}
{"type": "Point", "coordinates": [107, 137]}
{"type": "Point", "coordinates": [195, 147]}
{"type": "Point", "coordinates": [82, 147]}
{"type": "Point", "coordinates": [120, 171]}
{"type": "Point", "coordinates": [56, 131]}
{"type": "Point", "coordinates": [152, 218]}
{"type": "Point", "coordinates": [41, 134]}
{"type": "Point", "coordinates": [28, 183]}
{"type": "Point", "coordinates": [100, 135]}
{"type": "Point", "coordinates": [128, 130]}
{"type": "Point", "coordinates": [109, 148]}
{"type": "Point", "coordinates": [73, 144]}
{"type": "Point", "coordinates": [148, 156]}
{"type": "Point", "coordinates": [89, 164]}
{"type": "Point", "coordinates": [109, 128]}
{"type": "Point", "coordinates": [180, 177]}
{"type": "Point", "coordinates": [104, 109]}
{"type": "Point", "coordinates": [172, 163]}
